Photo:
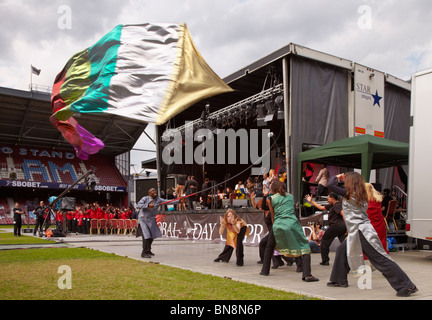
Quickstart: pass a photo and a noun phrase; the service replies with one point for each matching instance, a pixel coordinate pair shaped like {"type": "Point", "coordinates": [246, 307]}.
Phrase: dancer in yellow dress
{"type": "Point", "coordinates": [236, 231]}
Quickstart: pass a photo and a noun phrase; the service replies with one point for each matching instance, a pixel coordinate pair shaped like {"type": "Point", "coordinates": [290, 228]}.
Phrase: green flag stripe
{"type": "Point", "coordinates": [103, 59]}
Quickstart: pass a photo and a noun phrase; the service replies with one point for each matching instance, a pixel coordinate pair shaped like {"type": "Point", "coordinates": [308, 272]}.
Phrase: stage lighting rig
{"type": "Point", "coordinates": [261, 114]}
{"type": "Point", "coordinates": [271, 110]}
{"type": "Point", "coordinates": [224, 120]}
{"type": "Point", "coordinates": [279, 101]}
{"type": "Point", "coordinates": [255, 103]}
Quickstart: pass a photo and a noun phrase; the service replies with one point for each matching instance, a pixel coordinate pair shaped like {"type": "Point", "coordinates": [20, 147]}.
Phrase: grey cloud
{"type": "Point", "coordinates": [232, 33]}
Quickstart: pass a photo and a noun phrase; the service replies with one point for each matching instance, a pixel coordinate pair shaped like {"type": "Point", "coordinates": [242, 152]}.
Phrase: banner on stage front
{"type": "Point", "coordinates": [205, 227]}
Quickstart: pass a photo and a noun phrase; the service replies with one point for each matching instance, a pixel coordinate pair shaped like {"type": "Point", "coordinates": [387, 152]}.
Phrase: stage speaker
{"type": "Point", "coordinates": [68, 204]}
{"type": "Point", "coordinates": [226, 203]}
{"type": "Point", "coordinates": [196, 205]}
{"type": "Point", "coordinates": [240, 203]}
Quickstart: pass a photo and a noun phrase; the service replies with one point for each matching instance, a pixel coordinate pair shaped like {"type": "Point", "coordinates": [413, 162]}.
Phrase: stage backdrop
{"type": "Point", "coordinates": [205, 226]}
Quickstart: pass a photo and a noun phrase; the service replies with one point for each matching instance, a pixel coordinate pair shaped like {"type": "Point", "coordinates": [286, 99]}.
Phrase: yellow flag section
{"type": "Point", "coordinates": [193, 79]}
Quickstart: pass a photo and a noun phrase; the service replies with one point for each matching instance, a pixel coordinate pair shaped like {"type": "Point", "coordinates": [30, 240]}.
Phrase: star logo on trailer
{"type": "Point", "coordinates": [377, 99]}
{"type": "Point", "coordinates": [365, 94]}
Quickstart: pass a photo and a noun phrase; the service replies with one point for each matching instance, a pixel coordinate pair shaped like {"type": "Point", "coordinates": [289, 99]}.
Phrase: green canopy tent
{"type": "Point", "coordinates": [364, 152]}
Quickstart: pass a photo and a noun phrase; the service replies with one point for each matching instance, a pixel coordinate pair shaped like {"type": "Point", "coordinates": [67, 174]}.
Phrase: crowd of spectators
{"type": "Point", "coordinates": [79, 220]}
{"type": "Point", "coordinates": [209, 196]}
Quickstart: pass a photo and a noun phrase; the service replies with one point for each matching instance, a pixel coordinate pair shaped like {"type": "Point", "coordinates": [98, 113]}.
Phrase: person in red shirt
{"type": "Point", "coordinates": [105, 213]}
{"type": "Point", "coordinates": [69, 217]}
{"type": "Point", "coordinates": [85, 220]}
{"type": "Point", "coordinates": [77, 220]}
{"type": "Point", "coordinates": [99, 212]}
{"type": "Point", "coordinates": [93, 214]}
{"type": "Point", "coordinates": [375, 214]}
{"type": "Point", "coordinates": [128, 213]}
{"type": "Point", "coordinates": [122, 214]}
{"type": "Point", "coordinates": [59, 217]}
{"type": "Point", "coordinates": [80, 219]}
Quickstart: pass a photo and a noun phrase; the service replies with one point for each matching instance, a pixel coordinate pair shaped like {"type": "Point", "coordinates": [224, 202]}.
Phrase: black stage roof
{"type": "Point", "coordinates": [25, 121]}
{"type": "Point", "coordinates": [255, 77]}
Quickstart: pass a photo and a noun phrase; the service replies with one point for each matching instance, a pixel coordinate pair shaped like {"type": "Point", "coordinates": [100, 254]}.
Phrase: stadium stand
{"type": "Point", "coordinates": [45, 168]}
{"type": "Point", "coordinates": [38, 169]}
{"type": "Point", "coordinates": [36, 162]}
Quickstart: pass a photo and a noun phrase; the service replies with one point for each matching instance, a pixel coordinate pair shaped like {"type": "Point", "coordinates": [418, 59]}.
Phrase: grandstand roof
{"type": "Point", "coordinates": [25, 121]}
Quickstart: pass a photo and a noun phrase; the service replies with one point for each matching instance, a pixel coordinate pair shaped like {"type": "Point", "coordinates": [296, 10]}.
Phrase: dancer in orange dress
{"type": "Point", "coordinates": [236, 231]}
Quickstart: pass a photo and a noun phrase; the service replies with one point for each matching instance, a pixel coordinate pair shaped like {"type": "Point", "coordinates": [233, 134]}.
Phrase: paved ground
{"type": "Point", "coordinates": [198, 256]}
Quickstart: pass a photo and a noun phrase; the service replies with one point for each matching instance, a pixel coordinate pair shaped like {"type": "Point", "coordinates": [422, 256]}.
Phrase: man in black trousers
{"type": "Point", "coordinates": [191, 187]}
{"type": "Point", "coordinates": [39, 212]}
{"type": "Point", "coordinates": [337, 227]}
{"type": "Point", "coordinates": [17, 213]}
{"type": "Point", "coordinates": [148, 208]}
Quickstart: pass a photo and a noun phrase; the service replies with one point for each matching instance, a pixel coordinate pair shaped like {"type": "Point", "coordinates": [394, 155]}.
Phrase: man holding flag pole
{"type": "Point", "coordinates": [148, 208]}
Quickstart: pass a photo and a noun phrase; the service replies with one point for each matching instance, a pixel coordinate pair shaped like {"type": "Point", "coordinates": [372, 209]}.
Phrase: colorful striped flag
{"type": "Point", "coordinates": [147, 72]}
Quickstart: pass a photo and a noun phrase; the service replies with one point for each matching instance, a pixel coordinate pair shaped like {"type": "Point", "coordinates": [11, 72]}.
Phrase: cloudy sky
{"type": "Point", "coordinates": [392, 36]}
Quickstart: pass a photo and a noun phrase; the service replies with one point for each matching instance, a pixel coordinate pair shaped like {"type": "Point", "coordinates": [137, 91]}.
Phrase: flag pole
{"type": "Point", "coordinates": [31, 78]}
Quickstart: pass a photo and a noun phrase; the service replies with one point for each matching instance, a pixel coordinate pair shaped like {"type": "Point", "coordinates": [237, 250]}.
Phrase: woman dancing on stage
{"type": "Point", "coordinates": [287, 234]}
{"type": "Point", "coordinates": [236, 231]}
{"type": "Point", "coordinates": [362, 238]}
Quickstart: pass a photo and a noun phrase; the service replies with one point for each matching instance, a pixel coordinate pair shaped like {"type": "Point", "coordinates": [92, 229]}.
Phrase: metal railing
{"type": "Point", "coordinates": [40, 88]}
{"type": "Point", "coordinates": [402, 198]}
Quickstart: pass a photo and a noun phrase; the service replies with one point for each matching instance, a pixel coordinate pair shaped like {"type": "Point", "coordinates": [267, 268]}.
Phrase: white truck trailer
{"type": "Point", "coordinates": [419, 220]}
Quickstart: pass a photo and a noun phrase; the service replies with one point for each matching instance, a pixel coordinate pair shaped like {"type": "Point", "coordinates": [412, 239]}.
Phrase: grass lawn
{"type": "Point", "coordinates": [28, 274]}
{"type": "Point", "coordinates": [9, 238]}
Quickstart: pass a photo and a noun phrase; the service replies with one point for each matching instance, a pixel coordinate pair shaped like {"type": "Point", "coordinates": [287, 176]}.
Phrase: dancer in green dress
{"type": "Point", "coordinates": [287, 230]}
{"type": "Point", "coordinates": [287, 234]}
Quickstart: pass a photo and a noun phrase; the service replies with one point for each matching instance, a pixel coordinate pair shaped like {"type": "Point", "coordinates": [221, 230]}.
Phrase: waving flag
{"type": "Point", "coordinates": [35, 70]}
{"type": "Point", "coordinates": [148, 73]}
